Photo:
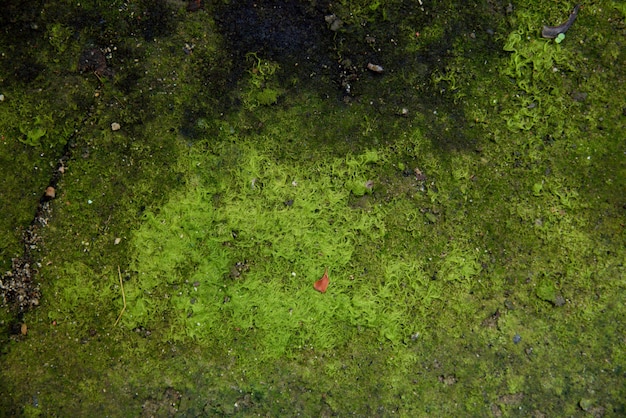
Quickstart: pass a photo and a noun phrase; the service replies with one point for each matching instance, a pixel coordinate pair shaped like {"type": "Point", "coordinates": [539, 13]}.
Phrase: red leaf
{"type": "Point", "coordinates": [322, 284]}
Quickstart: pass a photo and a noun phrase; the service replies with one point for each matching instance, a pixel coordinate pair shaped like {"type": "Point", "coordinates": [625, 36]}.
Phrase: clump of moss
{"type": "Point", "coordinates": [261, 87]}
{"type": "Point", "coordinates": [240, 257]}
{"type": "Point", "coordinates": [58, 36]}
{"type": "Point", "coordinates": [537, 66]}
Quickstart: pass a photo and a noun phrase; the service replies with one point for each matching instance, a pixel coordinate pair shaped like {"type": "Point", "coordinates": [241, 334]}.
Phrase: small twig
{"type": "Point", "coordinates": [98, 77]}
{"type": "Point", "coordinates": [119, 273]}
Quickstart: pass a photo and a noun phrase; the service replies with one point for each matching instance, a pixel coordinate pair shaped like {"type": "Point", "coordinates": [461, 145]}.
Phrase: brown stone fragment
{"type": "Point", "coordinates": [50, 192]}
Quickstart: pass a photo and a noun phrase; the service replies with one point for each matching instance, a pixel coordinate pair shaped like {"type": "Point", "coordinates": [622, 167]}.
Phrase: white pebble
{"type": "Point", "coordinates": [375, 68]}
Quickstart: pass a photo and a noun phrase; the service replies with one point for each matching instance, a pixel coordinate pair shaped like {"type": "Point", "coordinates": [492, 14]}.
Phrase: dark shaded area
{"type": "Point", "coordinates": [157, 19]}
{"type": "Point", "coordinates": [26, 48]}
{"type": "Point", "coordinates": [287, 32]}
{"type": "Point", "coordinates": [92, 60]}
{"type": "Point", "coordinates": [471, 32]}
{"type": "Point", "coordinates": [20, 29]}
{"type": "Point", "coordinates": [334, 62]}
{"type": "Point", "coordinates": [294, 34]}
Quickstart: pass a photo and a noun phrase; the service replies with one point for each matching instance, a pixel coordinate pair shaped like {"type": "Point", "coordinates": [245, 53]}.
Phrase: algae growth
{"type": "Point", "coordinates": [467, 202]}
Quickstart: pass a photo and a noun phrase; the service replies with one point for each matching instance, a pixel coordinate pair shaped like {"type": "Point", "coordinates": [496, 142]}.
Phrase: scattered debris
{"type": "Point", "coordinates": [511, 398]}
{"type": "Point", "coordinates": [552, 32]}
{"type": "Point", "coordinates": [17, 286]}
{"type": "Point", "coordinates": [419, 175]}
{"type": "Point", "coordinates": [95, 61]}
{"type": "Point", "coordinates": [492, 320]}
{"type": "Point", "coordinates": [448, 380]}
{"type": "Point", "coordinates": [238, 269]}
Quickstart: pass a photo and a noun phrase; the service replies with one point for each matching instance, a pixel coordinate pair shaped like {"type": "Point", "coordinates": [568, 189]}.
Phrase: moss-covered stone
{"type": "Point", "coordinates": [468, 203]}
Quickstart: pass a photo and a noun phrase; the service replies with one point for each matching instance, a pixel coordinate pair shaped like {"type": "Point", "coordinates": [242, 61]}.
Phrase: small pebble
{"type": "Point", "coordinates": [117, 241]}
{"type": "Point", "coordinates": [115, 126]}
{"type": "Point", "coordinates": [517, 338]}
{"type": "Point", "coordinates": [50, 192]}
{"type": "Point", "coordinates": [375, 68]}
{"type": "Point", "coordinates": [334, 22]}
{"type": "Point", "coordinates": [336, 25]}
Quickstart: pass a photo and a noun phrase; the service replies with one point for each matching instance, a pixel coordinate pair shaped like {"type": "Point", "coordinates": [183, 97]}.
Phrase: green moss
{"type": "Point", "coordinates": [472, 242]}
{"type": "Point", "coordinates": [262, 87]}
{"type": "Point", "coordinates": [285, 226]}
{"type": "Point", "coordinates": [546, 290]}
{"type": "Point", "coordinates": [58, 36]}
{"type": "Point", "coordinates": [621, 7]}
{"type": "Point", "coordinates": [536, 65]}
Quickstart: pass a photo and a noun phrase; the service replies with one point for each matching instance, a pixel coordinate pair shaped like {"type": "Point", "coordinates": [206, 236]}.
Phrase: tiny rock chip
{"type": "Point", "coordinates": [115, 126]}
{"type": "Point", "coordinates": [117, 241]}
{"type": "Point", "coordinates": [24, 329]}
{"type": "Point", "coordinates": [375, 68]}
{"type": "Point", "coordinates": [50, 192]}
{"type": "Point", "coordinates": [334, 22]}
{"type": "Point", "coordinates": [336, 25]}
